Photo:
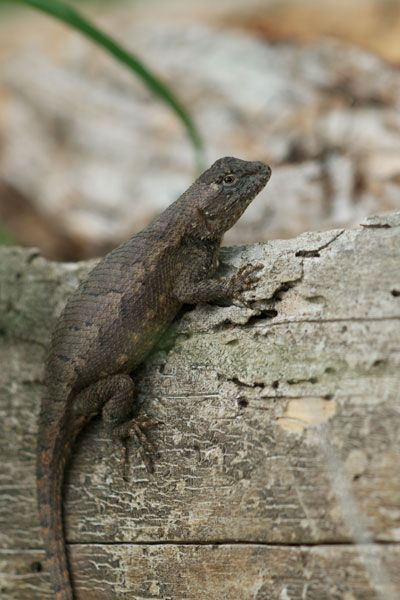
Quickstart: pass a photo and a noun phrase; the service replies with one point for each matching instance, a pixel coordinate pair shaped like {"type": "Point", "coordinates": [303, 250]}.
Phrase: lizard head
{"type": "Point", "coordinates": [225, 191]}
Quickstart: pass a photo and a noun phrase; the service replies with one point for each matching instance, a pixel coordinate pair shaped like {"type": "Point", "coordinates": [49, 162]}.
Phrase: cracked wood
{"type": "Point", "coordinates": [256, 408]}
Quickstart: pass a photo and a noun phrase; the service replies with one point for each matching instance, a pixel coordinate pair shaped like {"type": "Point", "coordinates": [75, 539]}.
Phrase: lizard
{"type": "Point", "coordinates": [114, 318]}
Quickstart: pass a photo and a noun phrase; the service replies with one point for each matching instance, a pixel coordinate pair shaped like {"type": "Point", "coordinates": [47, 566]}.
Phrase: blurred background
{"type": "Point", "coordinates": [88, 155]}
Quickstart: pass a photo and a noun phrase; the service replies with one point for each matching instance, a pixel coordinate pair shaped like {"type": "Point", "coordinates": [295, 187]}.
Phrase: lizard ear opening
{"type": "Point", "coordinates": [206, 223]}
{"type": "Point", "coordinates": [207, 218]}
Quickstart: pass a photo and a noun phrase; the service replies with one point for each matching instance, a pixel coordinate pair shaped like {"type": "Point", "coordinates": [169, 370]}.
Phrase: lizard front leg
{"type": "Point", "coordinates": [190, 289]}
{"type": "Point", "coordinates": [114, 397]}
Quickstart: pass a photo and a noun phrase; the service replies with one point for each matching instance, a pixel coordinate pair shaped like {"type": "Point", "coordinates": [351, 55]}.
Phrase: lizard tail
{"type": "Point", "coordinates": [54, 445]}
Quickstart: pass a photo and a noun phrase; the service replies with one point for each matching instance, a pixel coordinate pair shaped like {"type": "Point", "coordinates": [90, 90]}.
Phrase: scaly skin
{"type": "Point", "coordinates": [115, 317]}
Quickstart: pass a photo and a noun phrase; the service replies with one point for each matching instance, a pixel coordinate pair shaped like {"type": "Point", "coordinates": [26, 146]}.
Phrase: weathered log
{"type": "Point", "coordinates": [277, 467]}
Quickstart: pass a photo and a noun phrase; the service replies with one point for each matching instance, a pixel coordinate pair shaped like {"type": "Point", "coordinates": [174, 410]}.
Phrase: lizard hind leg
{"type": "Point", "coordinates": [114, 396]}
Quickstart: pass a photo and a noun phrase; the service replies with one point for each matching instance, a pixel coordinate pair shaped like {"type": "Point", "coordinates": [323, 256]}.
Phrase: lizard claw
{"type": "Point", "coordinates": [243, 280]}
{"type": "Point", "coordinates": [134, 429]}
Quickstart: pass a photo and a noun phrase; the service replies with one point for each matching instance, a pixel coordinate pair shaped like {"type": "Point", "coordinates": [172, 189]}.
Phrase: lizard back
{"type": "Point", "coordinates": [111, 322]}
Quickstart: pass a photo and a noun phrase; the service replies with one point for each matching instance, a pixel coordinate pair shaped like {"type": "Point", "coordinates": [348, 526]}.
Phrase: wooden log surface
{"type": "Point", "coordinates": [277, 467]}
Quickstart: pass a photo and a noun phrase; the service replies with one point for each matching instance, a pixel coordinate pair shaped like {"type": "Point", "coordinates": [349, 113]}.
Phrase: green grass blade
{"type": "Point", "coordinates": [66, 13]}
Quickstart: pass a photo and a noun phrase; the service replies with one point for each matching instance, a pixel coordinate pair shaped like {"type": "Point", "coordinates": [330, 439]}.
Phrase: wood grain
{"type": "Point", "coordinates": [280, 445]}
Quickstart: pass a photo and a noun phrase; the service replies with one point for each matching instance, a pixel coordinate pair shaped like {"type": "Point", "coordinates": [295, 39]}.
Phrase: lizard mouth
{"type": "Point", "coordinates": [264, 173]}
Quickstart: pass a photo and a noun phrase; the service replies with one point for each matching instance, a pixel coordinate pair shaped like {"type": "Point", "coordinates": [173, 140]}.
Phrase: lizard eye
{"type": "Point", "coordinates": [229, 179]}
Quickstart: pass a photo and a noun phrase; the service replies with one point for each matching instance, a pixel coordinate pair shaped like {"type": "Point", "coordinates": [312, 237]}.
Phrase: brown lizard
{"type": "Point", "coordinates": [116, 316]}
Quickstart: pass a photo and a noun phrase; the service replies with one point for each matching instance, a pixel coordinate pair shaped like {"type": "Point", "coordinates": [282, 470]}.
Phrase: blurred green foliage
{"type": "Point", "coordinates": [5, 238]}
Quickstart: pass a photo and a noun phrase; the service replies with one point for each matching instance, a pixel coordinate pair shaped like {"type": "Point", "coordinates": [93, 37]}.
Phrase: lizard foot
{"type": "Point", "coordinates": [135, 429]}
{"type": "Point", "coordinates": [243, 280]}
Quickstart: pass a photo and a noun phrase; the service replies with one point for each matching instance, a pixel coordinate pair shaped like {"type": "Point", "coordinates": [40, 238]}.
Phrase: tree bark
{"type": "Point", "coordinates": [277, 464]}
